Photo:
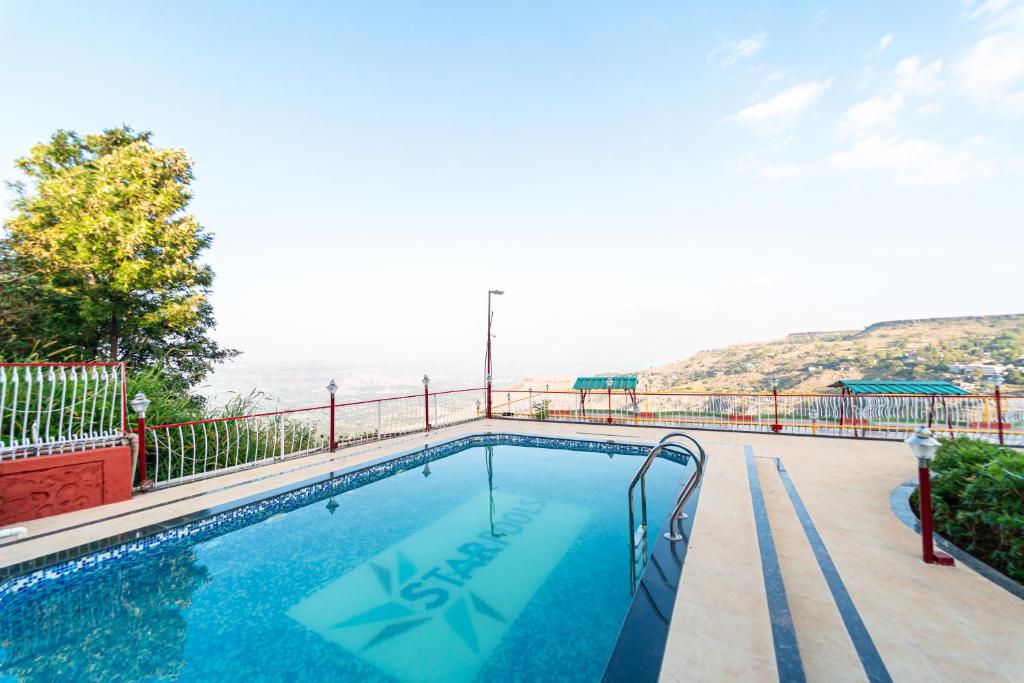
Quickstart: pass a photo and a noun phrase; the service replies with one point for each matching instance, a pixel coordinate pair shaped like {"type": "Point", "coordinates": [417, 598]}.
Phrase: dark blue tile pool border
{"type": "Point", "coordinates": [214, 521]}
{"type": "Point", "coordinates": [640, 647]}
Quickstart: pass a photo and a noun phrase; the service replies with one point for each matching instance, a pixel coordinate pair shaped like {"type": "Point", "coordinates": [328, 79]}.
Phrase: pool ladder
{"type": "Point", "coordinates": [638, 534]}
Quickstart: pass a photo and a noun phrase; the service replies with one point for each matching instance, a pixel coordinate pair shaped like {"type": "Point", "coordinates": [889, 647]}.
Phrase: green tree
{"type": "Point", "coordinates": [102, 259]}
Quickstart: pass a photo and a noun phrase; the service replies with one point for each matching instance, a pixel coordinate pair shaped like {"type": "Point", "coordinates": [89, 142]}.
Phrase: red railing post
{"type": "Point", "coordinates": [999, 415]}
{"type": "Point", "coordinates": [332, 443]}
{"type": "Point", "coordinates": [426, 400]}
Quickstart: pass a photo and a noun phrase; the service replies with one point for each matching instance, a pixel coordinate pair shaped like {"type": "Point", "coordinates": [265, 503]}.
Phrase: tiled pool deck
{"type": "Point", "coordinates": [860, 605]}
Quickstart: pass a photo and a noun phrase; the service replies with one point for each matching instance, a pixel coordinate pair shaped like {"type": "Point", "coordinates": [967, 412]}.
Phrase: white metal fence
{"type": "Point", "coordinates": [59, 407]}
{"type": "Point", "coordinates": [885, 417]}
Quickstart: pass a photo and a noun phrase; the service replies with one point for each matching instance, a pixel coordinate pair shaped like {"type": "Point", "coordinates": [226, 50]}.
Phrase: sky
{"type": "Point", "coordinates": [644, 180]}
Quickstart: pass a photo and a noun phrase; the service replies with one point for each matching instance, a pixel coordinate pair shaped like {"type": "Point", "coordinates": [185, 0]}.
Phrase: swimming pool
{"type": "Point", "coordinates": [493, 557]}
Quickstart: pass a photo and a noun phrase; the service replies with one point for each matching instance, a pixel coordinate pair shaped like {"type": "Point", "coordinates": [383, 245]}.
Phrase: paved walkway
{"type": "Point", "coordinates": [924, 622]}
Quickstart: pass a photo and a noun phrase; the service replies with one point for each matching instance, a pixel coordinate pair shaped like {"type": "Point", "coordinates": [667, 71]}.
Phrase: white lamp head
{"type": "Point", "coordinates": [140, 404]}
{"type": "Point", "coordinates": [923, 444]}
{"type": "Point", "coordinates": [495, 292]}
{"type": "Point", "coordinates": [332, 387]}
{"type": "Point", "coordinates": [610, 382]}
{"type": "Point", "coordinates": [426, 381]}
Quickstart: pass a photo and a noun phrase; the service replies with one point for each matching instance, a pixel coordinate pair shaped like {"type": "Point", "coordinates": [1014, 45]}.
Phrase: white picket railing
{"type": "Point", "coordinates": [878, 416]}
{"type": "Point", "coordinates": [59, 407]}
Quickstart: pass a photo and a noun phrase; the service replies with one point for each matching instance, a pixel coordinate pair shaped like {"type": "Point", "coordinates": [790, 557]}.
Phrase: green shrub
{"type": "Point", "coordinates": [978, 491]}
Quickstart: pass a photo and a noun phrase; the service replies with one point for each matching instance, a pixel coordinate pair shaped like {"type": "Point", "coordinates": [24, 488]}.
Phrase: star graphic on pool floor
{"type": "Point", "coordinates": [398, 618]}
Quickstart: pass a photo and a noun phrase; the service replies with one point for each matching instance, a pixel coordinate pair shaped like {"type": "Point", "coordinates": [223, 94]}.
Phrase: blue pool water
{"type": "Point", "coordinates": [492, 563]}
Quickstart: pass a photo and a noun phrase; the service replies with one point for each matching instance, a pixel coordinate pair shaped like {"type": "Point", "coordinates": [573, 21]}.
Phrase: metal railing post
{"type": "Point", "coordinates": [999, 415]}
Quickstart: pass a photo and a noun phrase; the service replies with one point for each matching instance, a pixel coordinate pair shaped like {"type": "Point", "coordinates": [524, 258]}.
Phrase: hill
{"type": "Point", "coordinates": [963, 350]}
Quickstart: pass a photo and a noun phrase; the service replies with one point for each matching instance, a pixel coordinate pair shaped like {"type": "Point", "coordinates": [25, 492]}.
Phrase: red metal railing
{"type": "Point", "coordinates": [59, 407]}
{"type": "Point", "coordinates": [176, 453]}
{"type": "Point", "coordinates": [989, 416]}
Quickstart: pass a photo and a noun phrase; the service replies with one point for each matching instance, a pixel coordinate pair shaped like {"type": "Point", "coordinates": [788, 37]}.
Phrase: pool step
{"type": "Point", "coordinates": [833, 641]}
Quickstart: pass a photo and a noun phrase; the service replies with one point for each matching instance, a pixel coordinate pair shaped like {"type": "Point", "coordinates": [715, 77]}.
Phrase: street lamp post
{"type": "Point", "coordinates": [333, 389]}
{"type": "Point", "coordinates": [924, 446]}
{"type": "Point", "coordinates": [609, 382]}
{"type": "Point", "coordinates": [776, 427]}
{"type": "Point", "coordinates": [488, 370]}
{"type": "Point", "coordinates": [140, 404]}
{"type": "Point", "coordinates": [426, 400]}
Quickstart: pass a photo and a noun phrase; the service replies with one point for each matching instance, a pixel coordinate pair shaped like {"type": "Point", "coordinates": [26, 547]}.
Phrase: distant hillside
{"type": "Point", "coordinates": [935, 348]}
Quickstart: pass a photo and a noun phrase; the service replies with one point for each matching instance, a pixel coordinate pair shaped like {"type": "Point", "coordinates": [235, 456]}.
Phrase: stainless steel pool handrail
{"type": "Point", "coordinates": [684, 435]}
{"type": "Point", "coordinates": [638, 534]}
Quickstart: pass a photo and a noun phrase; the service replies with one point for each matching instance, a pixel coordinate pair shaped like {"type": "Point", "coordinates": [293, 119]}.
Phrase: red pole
{"type": "Point", "coordinates": [928, 553]}
{"type": "Point", "coordinates": [609, 405]}
{"type": "Point", "coordinates": [999, 416]}
{"type": "Point", "coordinates": [487, 363]}
{"type": "Point", "coordinates": [426, 404]}
{"type": "Point", "coordinates": [334, 444]}
{"type": "Point", "coordinates": [775, 394]}
{"type": "Point", "coordinates": [141, 427]}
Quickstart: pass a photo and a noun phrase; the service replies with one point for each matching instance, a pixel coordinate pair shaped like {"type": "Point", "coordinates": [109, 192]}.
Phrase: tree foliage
{"type": "Point", "coordinates": [101, 259]}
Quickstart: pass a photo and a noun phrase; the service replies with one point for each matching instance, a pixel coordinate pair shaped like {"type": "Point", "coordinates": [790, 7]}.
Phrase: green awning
{"type": "Point", "coordinates": [897, 386]}
{"type": "Point", "coordinates": [619, 383]}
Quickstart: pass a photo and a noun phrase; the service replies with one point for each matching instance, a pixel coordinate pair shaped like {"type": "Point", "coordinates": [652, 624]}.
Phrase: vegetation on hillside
{"type": "Point", "coordinates": [921, 349]}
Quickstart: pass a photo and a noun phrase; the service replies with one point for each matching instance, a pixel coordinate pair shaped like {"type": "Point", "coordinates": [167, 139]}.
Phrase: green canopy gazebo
{"type": "Point", "coordinates": [608, 383]}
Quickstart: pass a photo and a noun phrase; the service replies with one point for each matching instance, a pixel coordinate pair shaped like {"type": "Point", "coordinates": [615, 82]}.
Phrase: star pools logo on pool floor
{"type": "Point", "coordinates": [433, 606]}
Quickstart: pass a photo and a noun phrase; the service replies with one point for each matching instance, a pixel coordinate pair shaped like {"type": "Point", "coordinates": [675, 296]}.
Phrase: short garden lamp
{"type": "Point", "coordinates": [997, 381]}
{"type": "Point", "coordinates": [140, 404]}
{"type": "Point", "coordinates": [332, 388]}
{"type": "Point", "coordinates": [426, 401]}
{"type": "Point", "coordinates": [774, 381]}
{"type": "Point", "coordinates": [924, 445]}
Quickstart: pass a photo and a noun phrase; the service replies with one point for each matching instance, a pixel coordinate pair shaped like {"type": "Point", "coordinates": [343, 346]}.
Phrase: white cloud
{"type": "Point", "coordinates": [992, 69]}
{"type": "Point", "coordinates": [785, 171]}
{"type": "Point", "coordinates": [870, 115]}
{"type": "Point", "coordinates": [785, 106]}
{"type": "Point", "coordinates": [914, 161]}
{"type": "Point", "coordinates": [776, 172]}
{"type": "Point", "coordinates": [732, 51]}
{"type": "Point", "coordinates": [886, 41]}
{"type": "Point", "coordinates": [914, 76]}
{"type": "Point", "coordinates": [929, 108]}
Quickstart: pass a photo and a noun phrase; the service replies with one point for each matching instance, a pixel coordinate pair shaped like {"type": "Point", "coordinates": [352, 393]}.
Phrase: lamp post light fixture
{"type": "Point", "coordinates": [426, 400]}
{"type": "Point", "coordinates": [776, 427]}
{"type": "Point", "coordinates": [488, 369]}
{"type": "Point", "coordinates": [813, 414]}
{"type": "Point", "coordinates": [924, 445]}
{"type": "Point", "coordinates": [140, 404]}
{"type": "Point", "coordinates": [478, 407]}
{"type": "Point", "coordinates": [332, 388]}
